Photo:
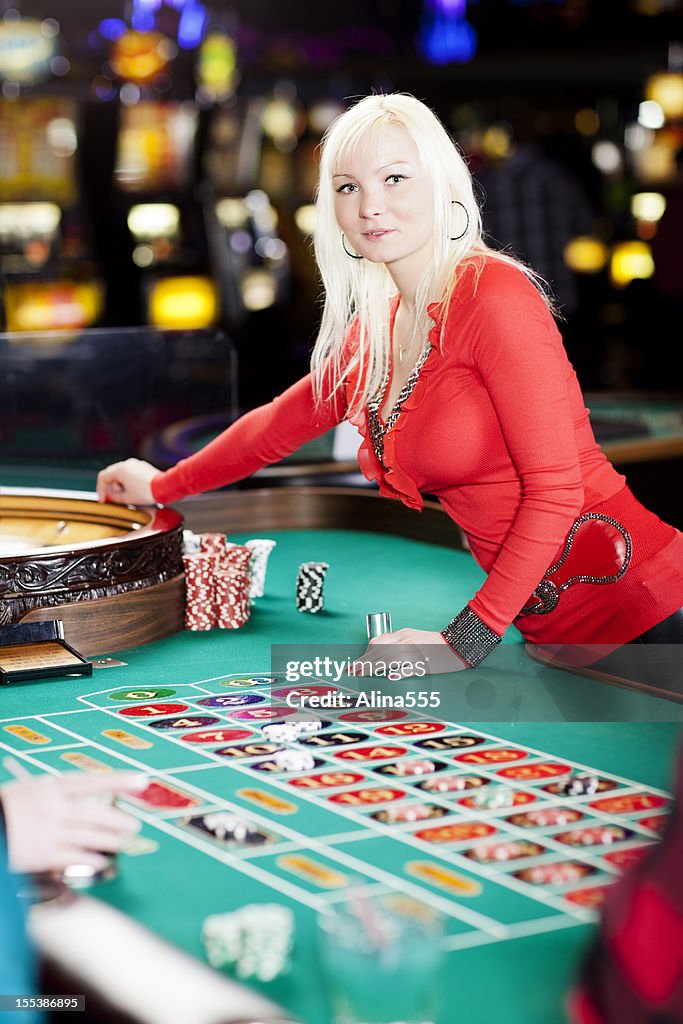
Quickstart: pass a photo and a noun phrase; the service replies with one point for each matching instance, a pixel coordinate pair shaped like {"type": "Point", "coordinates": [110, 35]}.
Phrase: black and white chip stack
{"type": "Point", "coordinates": [310, 581]}
{"type": "Point", "coordinates": [580, 784]}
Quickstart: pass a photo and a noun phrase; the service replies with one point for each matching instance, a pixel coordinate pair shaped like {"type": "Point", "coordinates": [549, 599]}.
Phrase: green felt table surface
{"type": "Point", "coordinates": [521, 974]}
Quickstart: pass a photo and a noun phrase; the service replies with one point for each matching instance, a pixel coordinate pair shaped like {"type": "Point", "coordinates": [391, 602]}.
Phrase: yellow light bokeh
{"type": "Point", "coordinates": [305, 218]}
{"type": "Point", "coordinates": [666, 89]}
{"type": "Point", "coordinates": [631, 261]}
{"type": "Point", "coordinates": [53, 305]}
{"type": "Point", "coordinates": [183, 302]}
{"type": "Point", "coordinates": [586, 255]}
{"type": "Point", "coordinates": [140, 56]}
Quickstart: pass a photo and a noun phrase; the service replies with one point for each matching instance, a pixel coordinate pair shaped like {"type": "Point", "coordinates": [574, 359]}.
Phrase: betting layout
{"type": "Point", "coordinates": [485, 831]}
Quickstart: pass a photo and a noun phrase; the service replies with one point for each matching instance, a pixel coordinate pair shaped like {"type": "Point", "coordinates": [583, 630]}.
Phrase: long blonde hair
{"type": "Point", "coordinates": [359, 291]}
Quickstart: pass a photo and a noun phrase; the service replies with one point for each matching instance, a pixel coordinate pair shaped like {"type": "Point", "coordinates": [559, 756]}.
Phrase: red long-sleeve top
{"type": "Point", "coordinates": [496, 429]}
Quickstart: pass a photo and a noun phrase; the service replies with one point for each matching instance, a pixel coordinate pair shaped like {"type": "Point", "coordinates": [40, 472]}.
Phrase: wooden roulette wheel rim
{"type": "Point", "coordinates": [112, 573]}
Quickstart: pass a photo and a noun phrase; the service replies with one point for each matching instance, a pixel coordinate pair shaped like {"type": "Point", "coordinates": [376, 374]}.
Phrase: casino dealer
{"type": "Point", "coordinates": [446, 356]}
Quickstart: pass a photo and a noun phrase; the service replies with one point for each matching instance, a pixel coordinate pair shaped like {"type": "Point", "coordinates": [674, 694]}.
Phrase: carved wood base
{"type": "Point", "coordinates": [110, 624]}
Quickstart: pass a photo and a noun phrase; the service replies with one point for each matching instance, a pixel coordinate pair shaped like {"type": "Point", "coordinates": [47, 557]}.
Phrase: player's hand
{"type": "Point", "coordinates": [57, 820]}
{"type": "Point", "coordinates": [419, 651]}
{"type": "Point", "coordinates": [127, 483]}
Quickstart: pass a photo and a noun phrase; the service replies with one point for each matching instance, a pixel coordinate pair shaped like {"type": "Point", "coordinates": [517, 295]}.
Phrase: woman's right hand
{"type": "Point", "coordinates": [127, 483]}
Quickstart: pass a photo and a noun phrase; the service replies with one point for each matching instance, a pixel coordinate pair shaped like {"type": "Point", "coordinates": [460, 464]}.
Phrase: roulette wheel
{"type": "Point", "coordinates": [112, 574]}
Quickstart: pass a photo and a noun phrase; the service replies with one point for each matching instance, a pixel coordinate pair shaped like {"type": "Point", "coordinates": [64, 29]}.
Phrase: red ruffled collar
{"type": "Point", "coordinates": [393, 481]}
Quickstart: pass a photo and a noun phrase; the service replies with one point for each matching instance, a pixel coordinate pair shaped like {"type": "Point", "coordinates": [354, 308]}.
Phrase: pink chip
{"type": "Point", "coordinates": [415, 767]}
{"type": "Point", "coordinates": [448, 784]}
{"type": "Point", "coordinates": [412, 812]}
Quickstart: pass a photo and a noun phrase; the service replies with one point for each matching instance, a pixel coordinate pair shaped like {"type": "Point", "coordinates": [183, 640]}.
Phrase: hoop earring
{"type": "Point", "coordinates": [456, 238]}
{"type": "Point", "coordinates": [351, 254]}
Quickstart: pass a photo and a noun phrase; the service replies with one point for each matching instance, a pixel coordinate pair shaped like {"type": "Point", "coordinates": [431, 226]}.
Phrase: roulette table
{"type": "Point", "coordinates": [631, 427]}
{"type": "Point", "coordinates": [516, 885]}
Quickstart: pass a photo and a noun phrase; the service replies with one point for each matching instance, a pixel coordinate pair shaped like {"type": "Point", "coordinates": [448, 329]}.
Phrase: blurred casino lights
{"type": "Point", "coordinates": [27, 47]}
{"type": "Point", "coordinates": [217, 73]}
{"type": "Point", "coordinates": [259, 290]}
{"type": "Point", "coordinates": [232, 212]}
{"type": "Point", "coordinates": [140, 56]}
{"type": "Point", "coordinates": [587, 121]}
{"type": "Point", "coordinates": [648, 206]}
{"type": "Point", "coordinates": [496, 141]}
{"type": "Point", "coordinates": [607, 157]}
{"type": "Point", "coordinates": [446, 36]}
{"type": "Point", "coordinates": [186, 303]}
{"type": "Point", "coordinates": [586, 255]}
{"type": "Point", "coordinates": [630, 261]}
{"type": "Point", "coordinates": [321, 114]}
{"type": "Point", "coordinates": [153, 220]}
{"type": "Point", "coordinates": [650, 114]}
{"type": "Point", "coordinates": [29, 220]}
{"type": "Point", "coordinates": [305, 218]}
{"type": "Point", "coordinates": [666, 90]}
{"type": "Point", "coordinates": [58, 305]}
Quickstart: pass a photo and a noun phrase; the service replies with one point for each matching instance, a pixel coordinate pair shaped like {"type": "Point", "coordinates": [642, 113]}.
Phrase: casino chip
{"type": "Point", "coordinates": [237, 556]}
{"type": "Point", "coordinates": [415, 767]}
{"type": "Point", "coordinates": [409, 812]}
{"type": "Point", "coordinates": [213, 544]}
{"type": "Point", "coordinates": [280, 732]}
{"type": "Point", "coordinates": [229, 827]}
{"type": "Point", "coordinates": [309, 586]}
{"type": "Point", "coordinates": [447, 784]}
{"type": "Point", "coordinates": [191, 542]}
{"type": "Point", "coordinates": [305, 723]}
{"type": "Point", "coordinates": [580, 785]}
{"type": "Point", "coordinates": [260, 550]}
{"type": "Point", "coordinates": [200, 591]}
{"type": "Point", "coordinates": [233, 606]}
{"type": "Point", "coordinates": [256, 941]}
{"type": "Point", "coordinates": [293, 760]}
{"type": "Point", "coordinates": [491, 797]}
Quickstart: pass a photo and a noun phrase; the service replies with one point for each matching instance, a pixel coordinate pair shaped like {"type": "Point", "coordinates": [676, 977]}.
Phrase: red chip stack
{"type": "Point", "coordinates": [200, 591]}
{"type": "Point", "coordinates": [233, 586]}
{"type": "Point", "coordinates": [218, 583]}
{"type": "Point", "coordinates": [237, 556]}
{"type": "Point", "coordinates": [213, 543]}
{"type": "Point", "coordinates": [232, 597]}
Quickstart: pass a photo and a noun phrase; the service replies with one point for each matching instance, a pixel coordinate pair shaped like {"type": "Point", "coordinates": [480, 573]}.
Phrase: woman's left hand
{"type": "Point", "coordinates": [420, 652]}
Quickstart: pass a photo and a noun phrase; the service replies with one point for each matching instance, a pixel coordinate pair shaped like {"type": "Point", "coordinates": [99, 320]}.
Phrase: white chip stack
{"type": "Point", "coordinates": [305, 724]}
{"type": "Point", "coordinates": [260, 548]}
{"type": "Point", "coordinates": [293, 760]}
{"type": "Point", "coordinates": [280, 732]}
{"type": "Point", "coordinates": [191, 542]}
{"type": "Point", "coordinates": [256, 941]}
{"type": "Point", "coordinates": [228, 826]}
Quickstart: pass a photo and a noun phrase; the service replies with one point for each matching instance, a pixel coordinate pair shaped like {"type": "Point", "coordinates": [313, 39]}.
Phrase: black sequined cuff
{"type": "Point", "coordinates": [469, 637]}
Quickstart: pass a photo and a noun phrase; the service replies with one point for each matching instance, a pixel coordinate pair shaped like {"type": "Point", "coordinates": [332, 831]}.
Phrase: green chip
{"type": "Point", "coordinates": [150, 694]}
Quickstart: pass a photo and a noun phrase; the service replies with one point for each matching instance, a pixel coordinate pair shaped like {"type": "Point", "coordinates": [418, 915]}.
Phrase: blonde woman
{"type": "Point", "coordinates": [446, 356]}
